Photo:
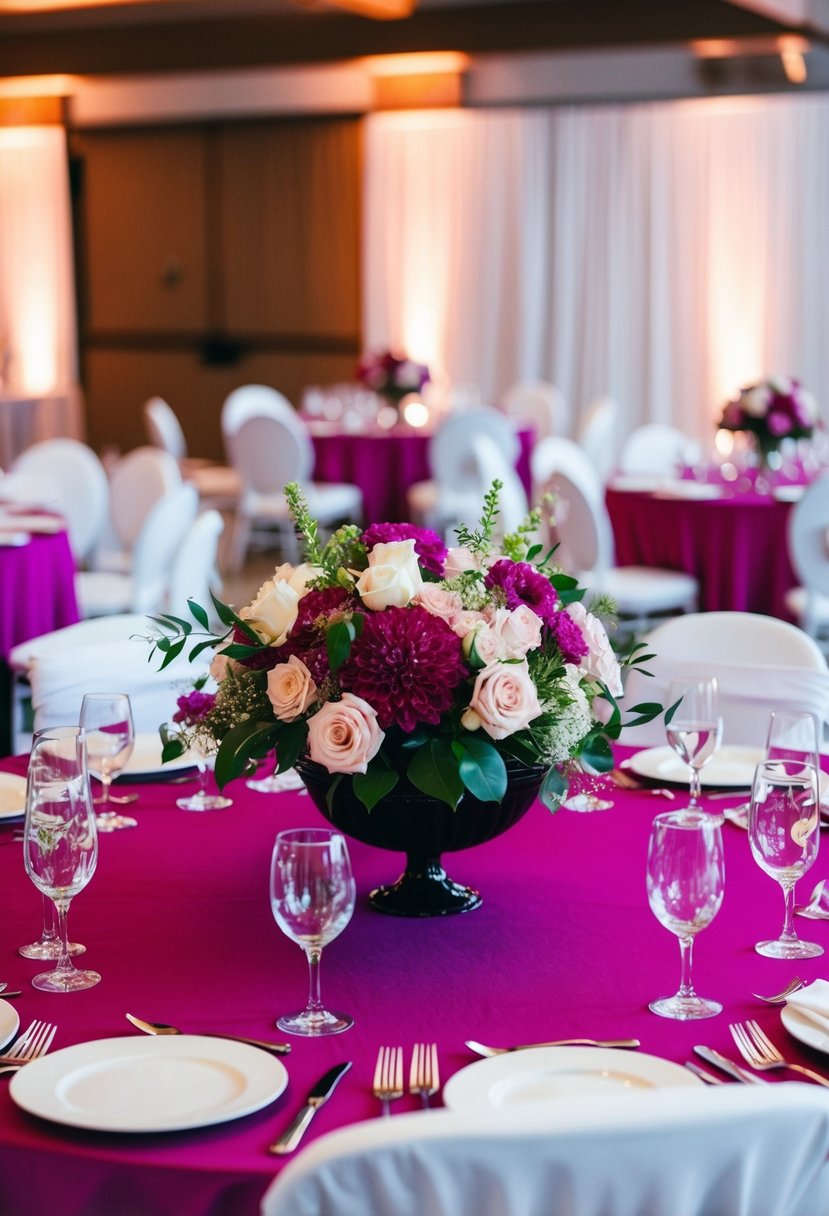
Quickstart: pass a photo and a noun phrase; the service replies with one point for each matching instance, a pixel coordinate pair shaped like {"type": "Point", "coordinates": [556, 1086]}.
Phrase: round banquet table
{"type": "Point", "coordinates": [37, 588]}
{"type": "Point", "coordinates": [177, 920]}
{"type": "Point", "coordinates": [734, 544]}
{"type": "Point", "coordinates": [385, 463]}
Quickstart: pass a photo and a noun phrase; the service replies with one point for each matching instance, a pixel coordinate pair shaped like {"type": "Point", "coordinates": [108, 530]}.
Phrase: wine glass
{"type": "Point", "coordinates": [60, 840]}
{"type": "Point", "coordinates": [592, 790]}
{"type": "Point", "coordinates": [794, 735]}
{"type": "Point", "coordinates": [694, 729]}
{"type": "Point", "coordinates": [201, 800]}
{"type": "Point", "coordinates": [312, 900]}
{"type": "Point", "coordinates": [783, 820]}
{"type": "Point", "coordinates": [685, 880]}
{"type": "Point", "coordinates": [110, 737]}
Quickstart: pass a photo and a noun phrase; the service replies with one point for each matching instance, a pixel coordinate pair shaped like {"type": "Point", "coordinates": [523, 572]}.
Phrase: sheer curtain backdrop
{"type": "Point", "coordinates": [661, 254]}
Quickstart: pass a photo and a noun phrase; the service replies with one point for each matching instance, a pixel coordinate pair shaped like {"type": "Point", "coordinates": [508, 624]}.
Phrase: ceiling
{"type": "Point", "coordinates": [142, 36]}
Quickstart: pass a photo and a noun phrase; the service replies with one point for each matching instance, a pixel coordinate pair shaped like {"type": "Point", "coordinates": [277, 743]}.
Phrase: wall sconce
{"type": "Point", "coordinates": [419, 81]}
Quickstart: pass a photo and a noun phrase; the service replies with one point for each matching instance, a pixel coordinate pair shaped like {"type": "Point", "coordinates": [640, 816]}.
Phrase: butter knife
{"type": "Point", "coordinates": [734, 1070]}
{"type": "Point", "coordinates": [482, 1050]}
{"type": "Point", "coordinates": [317, 1095]}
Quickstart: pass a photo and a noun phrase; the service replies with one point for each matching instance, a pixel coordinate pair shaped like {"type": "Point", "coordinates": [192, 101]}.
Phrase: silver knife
{"type": "Point", "coordinates": [318, 1094]}
{"type": "Point", "coordinates": [740, 1074]}
{"type": "Point", "coordinates": [703, 1074]}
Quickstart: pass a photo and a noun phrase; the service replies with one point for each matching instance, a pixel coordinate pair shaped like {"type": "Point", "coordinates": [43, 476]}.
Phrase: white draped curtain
{"type": "Point", "coordinates": [661, 254]}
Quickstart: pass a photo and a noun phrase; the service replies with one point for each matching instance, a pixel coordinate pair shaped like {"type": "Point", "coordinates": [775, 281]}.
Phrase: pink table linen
{"type": "Point", "coordinates": [735, 545]}
{"type": "Point", "coordinates": [177, 921]}
{"type": "Point", "coordinates": [385, 463]}
{"type": "Point", "coordinates": [37, 589]}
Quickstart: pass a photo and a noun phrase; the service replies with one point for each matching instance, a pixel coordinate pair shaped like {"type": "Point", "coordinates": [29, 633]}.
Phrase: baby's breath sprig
{"type": "Point", "coordinates": [480, 541]}
{"type": "Point", "coordinates": [304, 523]}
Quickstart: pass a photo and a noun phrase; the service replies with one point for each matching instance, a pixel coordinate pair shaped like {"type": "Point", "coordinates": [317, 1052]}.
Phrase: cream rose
{"type": "Point", "coordinates": [504, 700]}
{"type": "Point", "coordinates": [344, 735]}
{"type": "Point", "coordinates": [393, 577]}
{"type": "Point", "coordinates": [519, 631]}
{"type": "Point", "coordinates": [274, 610]}
{"type": "Point", "coordinates": [600, 662]}
{"type": "Point", "coordinates": [755, 401]}
{"type": "Point", "coordinates": [291, 689]}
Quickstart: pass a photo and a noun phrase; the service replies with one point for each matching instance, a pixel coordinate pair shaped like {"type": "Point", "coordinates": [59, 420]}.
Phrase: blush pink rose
{"type": "Point", "coordinates": [482, 645]}
{"type": "Point", "coordinates": [504, 700]}
{"type": "Point", "coordinates": [344, 735]}
{"type": "Point", "coordinates": [600, 662]}
{"type": "Point", "coordinates": [291, 689]}
{"type": "Point", "coordinates": [459, 559]}
{"type": "Point", "coordinates": [519, 631]}
{"type": "Point", "coordinates": [448, 605]}
{"type": "Point", "coordinates": [469, 619]}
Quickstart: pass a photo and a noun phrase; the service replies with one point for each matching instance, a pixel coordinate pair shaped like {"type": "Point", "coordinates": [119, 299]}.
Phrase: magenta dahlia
{"type": "Point", "coordinates": [569, 637]}
{"type": "Point", "coordinates": [523, 584]}
{"type": "Point", "coordinates": [428, 545]}
{"type": "Point", "coordinates": [406, 664]}
{"type": "Point", "coordinates": [307, 637]}
{"type": "Point", "coordinates": [194, 707]}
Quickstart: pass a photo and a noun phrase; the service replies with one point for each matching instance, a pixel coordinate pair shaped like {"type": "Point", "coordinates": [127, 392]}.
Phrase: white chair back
{"type": "Point", "coordinates": [450, 449]}
{"type": "Point", "coordinates": [195, 571]}
{"type": "Point", "coordinates": [808, 545]}
{"type": "Point", "coordinates": [598, 435]}
{"type": "Point", "coordinates": [580, 521]}
{"type": "Point", "coordinates": [163, 427]}
{"type": "Point", "coordinates": [251, 401]}
{"type": "Point", "coordinates": [68, 477]}
{"type": "Point", "coordinates": [539, 404]}
{"type": "Point", "coordinates": [270, 452]}
{"type": "Point", "coordinates": [657, 448]}
{"type": "Point", "coordinates": [140, 480]}
{"type": "Point", "coordinates": [158, 544]}
{"type": "Point", "coordinates": [729, 1149]}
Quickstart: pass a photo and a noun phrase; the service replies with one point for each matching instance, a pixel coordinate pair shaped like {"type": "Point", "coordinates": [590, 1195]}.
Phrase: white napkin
{"type": "Point", "coordinates": [813, 1002]}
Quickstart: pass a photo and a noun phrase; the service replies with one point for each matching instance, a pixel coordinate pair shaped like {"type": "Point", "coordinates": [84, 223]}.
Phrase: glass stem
{"type": "Point", "coordinates": [696, 787]}
{"type": "Point", "coordinates": [686, 987]}
{"type": "Point", "coordinates": [50, 931]}
{"type": "Point", "coordinates": [789, 934]}
{"type": "Point", "coordinates": [314, 955]}
{"type": "Point", "coordinates": [64, 964]}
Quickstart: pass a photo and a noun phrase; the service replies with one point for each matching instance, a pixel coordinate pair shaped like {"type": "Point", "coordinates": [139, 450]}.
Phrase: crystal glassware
{"type": "Point", "coordinates": [312, 898]}
{"type": "Point", "coordinates": [60, 840]}
{"type": "Point", "coordinates": [783, 823]}
{"type": "Point", "coordinates": [685, 881]}
{"type": "Point", "coordinates": [793, 735]}
{"type": "Point", "coordinates": [694, 728]}
{"type": "Point", "coordinates": [202, 800]}
{"type": "Point", "coordinates": [110, 737]}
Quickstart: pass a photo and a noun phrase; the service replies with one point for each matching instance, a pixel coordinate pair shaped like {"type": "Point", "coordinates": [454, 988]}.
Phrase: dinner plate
{"type": "Point", "coordinates": [801, 1028]}
{"type": "Point", "coordinates": [788, 493]}
{"type": "Point", "coordinates": [12, 796]}
{"type": "Point", "coordinates": [732, 765]}
{"type": "Point", "coordinates": [162, 1084]}
{"type": "Point", "coordinates": [145, 760]}
{"type": "Point", "coordinates": [9, 1022]}
{"type": "Point", "coordinates": [542, 1075]}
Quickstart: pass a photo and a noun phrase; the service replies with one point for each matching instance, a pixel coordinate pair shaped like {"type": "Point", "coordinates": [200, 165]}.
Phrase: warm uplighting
{"type": "Point", "coordinates": [415, 413]}
{"type": "Point", "coordinates": [724, 443]}
{"type": "Point", "coordinates": [791, 48]}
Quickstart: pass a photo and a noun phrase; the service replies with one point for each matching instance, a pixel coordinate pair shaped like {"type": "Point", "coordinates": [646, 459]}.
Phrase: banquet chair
{"type": "Point", "coordinates": [760, 662]}
{"type": "Point", "coordinates": [581, 527]}
{"type": "Point", "coordinates": [539, 404]}
{"type": "Point", "coordinates": [66, 476]}
{"type": "Point", "coordinates": [136, 483]}
{"type": "Point", "coordinates": [725, 1150]}
{"type": "Point", "coordinates": [269, 452]}
{"type": "Point", "coordinates": [658, 449]}
{"type": "Point", "coordinates": [808, 547]}
{"type": "Point", "coordinates": [598, 436]}
{"type": "Point", "coordinates": [252, 401]}
{"type": "Point", "coordinates": [195, 570]}
{"type": "Point", "coordinates": [218, 485]}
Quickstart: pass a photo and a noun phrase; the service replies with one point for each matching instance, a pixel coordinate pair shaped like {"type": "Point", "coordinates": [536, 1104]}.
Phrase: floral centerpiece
{"type": "Point", "coordinates": [771, 410]}
{"type": "Point", "coordinates": [392, 376]}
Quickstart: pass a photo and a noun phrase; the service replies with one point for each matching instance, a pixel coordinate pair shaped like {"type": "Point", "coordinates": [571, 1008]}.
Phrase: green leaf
{"type": "Point", "coordinates": [669, 713]}
{"type": "Point", "coordinates": [171, 750]}
{"type": "Point", "coordinates": [646, 711]}
{"type": "Point", "coordinates": [290, 743]}
{"type": "Point", "coordinates": [173, 650]}
{"type": "Point", "coordinates": [553, 789]}
{"type": "Point", "coordinates": [433, 769]}
{"type": "Point", "coordinates": [199, 647]}
{"type": "Point", "coordinates": [596, 751]}
{"type": "Point", "coordinates": [377, 781]}
{"type": "Point", "coordinates": [238, 650]}
{"type": "Point", "coordinates": [482, 769]}
{"type": "Point", "coordinates": [237, 747]}
{"type": "Point", "coordinates": [198, 614]}
{"type": "Point", "coordinates": [338, 641]}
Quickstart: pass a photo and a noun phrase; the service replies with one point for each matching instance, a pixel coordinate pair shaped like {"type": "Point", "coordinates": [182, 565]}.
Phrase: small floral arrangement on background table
{"type": "Point", "coordinates": [392, 376]}
{"type": "Point", "coordinates": [384, 652]}
{"type": "Point", "coordinates": [772, 410]}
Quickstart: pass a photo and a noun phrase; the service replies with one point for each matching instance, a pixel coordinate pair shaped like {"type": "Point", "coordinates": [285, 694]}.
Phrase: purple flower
{"type": "Point", "coordinates": [194, 707]}
{"type": "Point", "coordinates": [307, 639]}
{"type": "Point", "coordinates": [429, 548]}
{"type": "Point", "coordinates": [523, 584]}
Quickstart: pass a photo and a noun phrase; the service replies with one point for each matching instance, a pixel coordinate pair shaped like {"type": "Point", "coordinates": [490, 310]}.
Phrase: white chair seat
{"type": "Point", "coordinates": [642, 590]}
{"type": "Point", "coordinates": [103, 592]}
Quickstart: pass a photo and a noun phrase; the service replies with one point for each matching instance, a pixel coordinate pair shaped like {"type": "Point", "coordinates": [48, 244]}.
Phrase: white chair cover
{"type": "Point", "coordinates": [657, 448]}
{"type": "Point", "coordinates": [66, 476]}
{"type": "Point", "coordinates": [808, 544]}
{"type": "Point", "coordinates": [729, 1150]}
{"type": "Point", "coordinates": [163, 427]}
{"type": "Point", "coordinates": [138, 481]}
{"type": "Point", "coordinates": [598, 436]}
{"type": "Point", "coordinates": [539, 404]}
{"type": "Point", "coordinates": [195, 571]}
{"type": "Point", "coordinates": [252, 401]}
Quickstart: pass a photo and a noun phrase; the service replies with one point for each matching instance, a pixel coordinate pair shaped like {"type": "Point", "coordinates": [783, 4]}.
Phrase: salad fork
{"type": "Point", "coordinates": [34, 1042]}
{"type": "Point", "coordinates": [388, 1076]}
{"type": "Point", "coordinates": [779, 998]}
{"type": "Point", "coordinates": [424, 1077]}
{"type": "Point", "coordinates": [758, 1051]}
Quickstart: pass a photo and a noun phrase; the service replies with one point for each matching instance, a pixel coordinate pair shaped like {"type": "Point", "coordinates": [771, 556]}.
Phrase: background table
{"type": "Point", "coordinates": [177, 920]}
{"type": "Point", "coordinates": [385, 463]}
{"type": "Point", "coordinates": [736, 545]}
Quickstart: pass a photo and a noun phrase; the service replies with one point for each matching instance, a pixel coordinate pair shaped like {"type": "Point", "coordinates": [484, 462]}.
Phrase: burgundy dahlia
{"type": "Point", "coordinates": [307, 636]}
{"type": "Point", "coordinates": [407, 664]}
{"type": "Point", "coordinates": [523, 584]}
{"type": "Point", "coordinates": [194, 707]}
{"type": "Point", "coordinates": [429, 547]}
{"type": "Point", "coordinates": [263, 660]}
{"type": "Point", "coordinates": [569, 637]}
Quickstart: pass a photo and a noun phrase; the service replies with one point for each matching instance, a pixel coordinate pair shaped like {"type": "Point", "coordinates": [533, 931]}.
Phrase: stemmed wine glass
{"type": "Point", "coordinates": [60, 840]}
{"type": "Point", "coordinates": [201, 800]}
{"type": "Point", "coordinates": [794, 735]}
{"type": "Point", "coordinates": [783, 820]}
{"type": "Point", "coordinates": [694, 729]}
{"type": "Point", "coordinates": [110, 737]}
{"type": "Point", "coordinates": [312, 899]}
{"type": "Point", "coordinates": [685, 880]}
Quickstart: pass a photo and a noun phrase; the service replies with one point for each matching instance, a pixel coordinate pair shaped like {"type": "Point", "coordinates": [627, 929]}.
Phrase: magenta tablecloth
{"type": "Point", "coordinates": [37, 589]}
{"type": "Point", "coordinates": [177, 921]}
{"type": "Point", "coordinates": [385, 463]}
{"type": "Point", "coordinates": [735, 545]}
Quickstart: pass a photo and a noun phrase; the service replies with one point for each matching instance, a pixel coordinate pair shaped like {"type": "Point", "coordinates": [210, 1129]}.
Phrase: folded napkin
{"type": "Point", "coordinates": [813, 1002]}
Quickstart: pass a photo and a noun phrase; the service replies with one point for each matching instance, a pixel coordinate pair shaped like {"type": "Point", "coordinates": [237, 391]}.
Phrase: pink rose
{"type": "Point", "coordinates": [482, 645]}
{"type": "Point", "coordinates": [504, 700]}
{"type": "Point", "coordinates": [344, 735]}
{"type": "Point", "coordinates": [600, 663]}
{"type": "Point", "coordinates": [440, 602]}
{"type": "Point", "coordinates": [466, 621]}
{"type": "Point", "coordinates": [459, 559]}
{"type": "Point", "coordinates": [519, 631]}
{"type": "Point", "coordinates": [291, 689]}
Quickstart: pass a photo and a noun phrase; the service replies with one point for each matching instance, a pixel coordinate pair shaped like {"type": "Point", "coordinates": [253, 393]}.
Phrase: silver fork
{"type": "Point", "coordinates": [388, 1076]}
{"type": "Point", "coordinates": [34, 1042]}
{"type": "Point", "coordinates": [424, 1076]}
{"type": "Point", "coordinates": [759, 1051]}
{"type": "Point", "coordinates": [779, 998]}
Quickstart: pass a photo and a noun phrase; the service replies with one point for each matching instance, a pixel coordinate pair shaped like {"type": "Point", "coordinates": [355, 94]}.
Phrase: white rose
{"type": "Point", "coordinates": [297, 577]}
{"type": "Point", "coordinates": [504, 699]}
{"type": "Point", "coordinates": [519, 631]}
{"type": "Point", "coordinates": [600, 662]}
{"type": "Point", "coordinates": [344, 735]}
{"type": "Point", "coordinates": [393, 577]}
{"type": "Point", "coordinates": [291, 689]}
{"type": "Point", "coordinates": [273, 611]}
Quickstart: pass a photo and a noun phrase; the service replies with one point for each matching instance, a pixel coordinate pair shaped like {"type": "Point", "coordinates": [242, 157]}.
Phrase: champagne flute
{"type": "Point", "coordinates": [783, 821]}
{"type": "Point", "coordinates": [60, 840]}
{"type": "Point", "coordinates": [694, 729]}
{"type": "Point", "coordinates": [110, 738]}
{"type": "Point", "coordinates": [685, 880]}
{"type": "Point", "coordinates": [312, 899]}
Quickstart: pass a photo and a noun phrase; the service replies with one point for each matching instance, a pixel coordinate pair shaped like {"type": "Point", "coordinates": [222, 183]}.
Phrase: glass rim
{"type": "Point", "coordinates": [685, 817]}
{"type": "Point", "coordinates": [317, 836]}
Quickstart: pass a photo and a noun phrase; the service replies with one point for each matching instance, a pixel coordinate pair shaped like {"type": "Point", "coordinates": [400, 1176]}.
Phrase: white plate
{"type": "Point", "coordinates": [633, 483]}
{"type": "Point", "coordinates": [550, 1074]}
{"type": "Point", "coordinates": [17, 521]}
{"type": "Point", "coordinates": [9, 1022]}
{"type": "Point", "coordinates": [696, 490]}
{"type": "Point", "coordinates": [732, 765]}
{"type": "Point", "coordinates": [804, 1030]}
{"type": "Point", "coordinates": [161, 1084]}
{"type": "Point", "coordinates": [145, 760]}
{"type": "Point", "coordinates": [788, 493]}
{"type": "Point", "coordinates": [12, 796]}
